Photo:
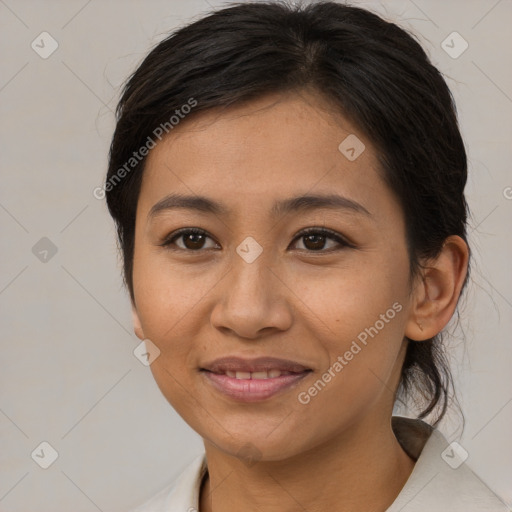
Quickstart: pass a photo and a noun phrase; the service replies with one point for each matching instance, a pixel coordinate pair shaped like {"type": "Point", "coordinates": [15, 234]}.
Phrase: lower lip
{"type": "Point", "coordinates": [252, 390]}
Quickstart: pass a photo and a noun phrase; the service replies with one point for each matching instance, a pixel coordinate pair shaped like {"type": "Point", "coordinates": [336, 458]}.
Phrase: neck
{"type": "Point", "coordinates": [336, 475]}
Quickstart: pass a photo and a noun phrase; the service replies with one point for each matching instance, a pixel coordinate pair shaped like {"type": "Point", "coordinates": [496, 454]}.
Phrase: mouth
{"type": "Point", "coordinates": [257, 366]}
{"type": "Point", "coordinates": [253, 380]}
{"type": "Point", "coordinates": [261, 375]}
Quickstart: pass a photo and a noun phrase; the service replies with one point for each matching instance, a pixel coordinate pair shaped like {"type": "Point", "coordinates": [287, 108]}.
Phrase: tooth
{"type": "Point", "coordinates": [259, 375]}
{"type": "Point", "coordinates": [243, 375]}
{"type": "Point", "coordinates": [230, 374]}
{"type": "Point", "coordinates": [274, 373]}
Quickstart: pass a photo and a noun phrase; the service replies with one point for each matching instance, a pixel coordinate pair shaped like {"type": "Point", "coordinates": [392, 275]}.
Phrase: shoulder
{"type": "Point", "coordinates": [182, 494]}
{"type": "Point", "coordinates": [441, 479]}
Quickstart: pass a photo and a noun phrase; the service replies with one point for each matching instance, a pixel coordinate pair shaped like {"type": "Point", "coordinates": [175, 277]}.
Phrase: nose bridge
{"type": "Point", "coordinates": [251, 277]}
{"type": "Point", "coordinates": [252, 298]}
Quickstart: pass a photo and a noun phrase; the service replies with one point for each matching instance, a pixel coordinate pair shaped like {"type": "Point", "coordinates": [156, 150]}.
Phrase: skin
{"type": "Point", "coordinates": [292, 302]}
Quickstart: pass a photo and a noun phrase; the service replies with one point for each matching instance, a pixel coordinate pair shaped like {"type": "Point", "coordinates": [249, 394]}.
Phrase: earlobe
{"type": "Point", "coordinates": [137, 327]}
{"type": "Point", "coordinates": [438, 290]}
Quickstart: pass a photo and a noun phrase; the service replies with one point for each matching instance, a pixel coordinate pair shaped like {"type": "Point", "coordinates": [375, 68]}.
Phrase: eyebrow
{"type": "Point", "coordinates": [302, 203]}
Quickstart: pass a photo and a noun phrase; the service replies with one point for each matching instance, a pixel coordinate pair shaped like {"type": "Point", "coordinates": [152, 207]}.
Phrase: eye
{"type": "Point", "coordinates": [193, 239]}
{"type": "Point", "coordinates": [314, 240]}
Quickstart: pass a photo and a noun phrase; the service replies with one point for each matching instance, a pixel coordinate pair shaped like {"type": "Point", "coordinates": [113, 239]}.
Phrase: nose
{"type": "Point", "coordinates": [253, 301]}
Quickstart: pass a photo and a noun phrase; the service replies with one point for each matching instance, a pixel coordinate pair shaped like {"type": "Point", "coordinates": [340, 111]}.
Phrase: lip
{"type": "Point", "coordinates": [259, 364]}
{"type": "Point", "coordinates": [253, 390]}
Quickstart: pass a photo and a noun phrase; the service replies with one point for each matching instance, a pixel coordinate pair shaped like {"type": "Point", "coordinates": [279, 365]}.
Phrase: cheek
{"type": "Point", "coordinates": [359, 317]}
{"type": "Point", "coordinates": [167, 295]}
{"type": "Point", "coordinates": [362, 343]}
{"type": "Point", "coordinates": [169, 307]}
{"type": "Point", "coordinates": [344, 302]}
{"type": "Point", "coordinates": [167, 302]}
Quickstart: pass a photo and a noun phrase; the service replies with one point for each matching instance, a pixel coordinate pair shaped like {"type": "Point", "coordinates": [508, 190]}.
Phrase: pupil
{"type": "Point", "coordinates": [193, 238]}
{"type": "Point", "coordinates": [318, 241]}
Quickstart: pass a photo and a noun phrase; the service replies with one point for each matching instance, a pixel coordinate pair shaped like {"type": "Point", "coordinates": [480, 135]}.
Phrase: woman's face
{"type": "Point", "coordinates": [337, 305]}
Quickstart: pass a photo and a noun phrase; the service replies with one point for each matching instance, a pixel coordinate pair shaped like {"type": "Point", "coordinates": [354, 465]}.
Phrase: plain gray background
{"type": "Point", "coordinates": [68, 375]}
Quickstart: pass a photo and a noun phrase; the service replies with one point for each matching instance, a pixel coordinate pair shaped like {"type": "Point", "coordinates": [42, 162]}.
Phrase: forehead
{"type": "Point", "coordinates": [263, 150]}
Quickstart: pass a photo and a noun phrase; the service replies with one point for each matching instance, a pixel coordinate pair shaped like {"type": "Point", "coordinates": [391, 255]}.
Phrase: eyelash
{"type": "Point", "coordinates": [308, 231]}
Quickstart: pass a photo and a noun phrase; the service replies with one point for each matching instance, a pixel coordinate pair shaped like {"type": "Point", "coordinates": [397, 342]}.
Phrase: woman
{"type": "Point", "coordinates": [288, 188]}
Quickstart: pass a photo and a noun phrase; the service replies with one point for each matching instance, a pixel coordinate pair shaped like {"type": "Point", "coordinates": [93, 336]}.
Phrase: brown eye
{"type": "Point", "coordinates": [191, 240]}
{"type": "Point", "coordinates": [316, 240]}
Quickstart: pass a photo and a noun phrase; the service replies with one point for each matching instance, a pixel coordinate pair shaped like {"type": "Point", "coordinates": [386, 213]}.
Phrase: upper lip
{"type": "Point", "coordinates": [259, 364]}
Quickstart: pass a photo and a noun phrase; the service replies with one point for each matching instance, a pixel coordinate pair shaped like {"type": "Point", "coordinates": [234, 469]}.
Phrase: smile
{"type": "Point", "coordinates": [253, 386]}
{"type": "Point", "coordinates": [256, 375]}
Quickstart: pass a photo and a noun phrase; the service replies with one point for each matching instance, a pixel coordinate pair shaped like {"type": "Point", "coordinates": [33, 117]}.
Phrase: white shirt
{"type": "Point", "coordinates": [439, 482]}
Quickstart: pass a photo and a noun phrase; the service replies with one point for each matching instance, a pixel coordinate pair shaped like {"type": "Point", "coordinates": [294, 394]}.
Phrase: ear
{"type": "Point", "coordinates": [137, 327]}
{"type": "Point", "coordinates": [437, 291]}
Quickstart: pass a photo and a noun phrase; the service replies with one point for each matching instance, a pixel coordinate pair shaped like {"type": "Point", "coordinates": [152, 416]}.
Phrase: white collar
{"type": "Point", "coordinates": [432, 486]}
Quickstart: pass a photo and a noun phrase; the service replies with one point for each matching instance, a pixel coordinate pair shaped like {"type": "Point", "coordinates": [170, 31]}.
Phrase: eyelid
{"type": "Point", "coordinates": [168, 240]}
{"type": "Point", "coordinates": [329, 233]}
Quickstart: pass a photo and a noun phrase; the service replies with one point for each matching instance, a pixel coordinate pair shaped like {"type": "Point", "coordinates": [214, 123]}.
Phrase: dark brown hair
{"type": "Point", "coordinates": [369, 70]}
